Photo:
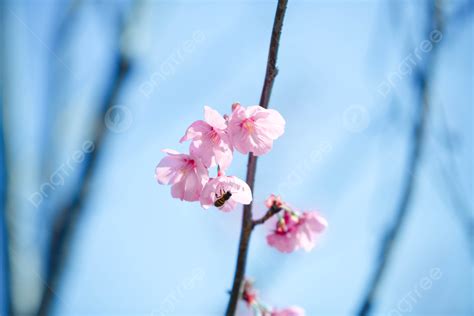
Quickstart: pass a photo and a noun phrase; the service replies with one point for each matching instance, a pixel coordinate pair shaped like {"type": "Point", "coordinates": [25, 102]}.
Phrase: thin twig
{"type": "Point", "coordinates": [419, 129]}
{"type": "Point", "coordinates": [66, 221]}
{"type": "Point", "coordinates": [450, 173]}
{"type": "Point", "coordinates": [271, 211]}
{"type": "Point", "coordinates": [247, 222]}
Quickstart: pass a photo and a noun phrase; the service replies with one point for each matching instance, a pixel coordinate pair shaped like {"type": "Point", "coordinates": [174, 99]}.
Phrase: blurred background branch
{"type": "Point", "coordinates": [5, 272]}
{"type": "Point", "coordinates": [56, 86]}
{"type": "Point", "coordinates": [6, 305]}
{"type": "Point", "coordinates": [451, 180]}
{"type": "Point", "coordinates": [68, 216]}
{"type": "Point", "coordinates": [421, 85]}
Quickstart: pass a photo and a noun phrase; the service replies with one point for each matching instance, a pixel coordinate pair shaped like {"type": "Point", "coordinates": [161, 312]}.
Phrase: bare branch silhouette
{"type": "Point", "coordinates": [58, 75]}
{"type": "Point", "coordinates": [450, 175]}
{"type": "Point", "coordinates": [462, 13]}
{"type": "Point", "coordinates": [389, 240]}
{"type": "Point", "coordinates": [247, 221]}
{"type": "Point", "coordinates": [5, 273]}
{"type": "Point", "coordinates": [5, 233]}
{"type": "Point", "coordinates": [66, 220]}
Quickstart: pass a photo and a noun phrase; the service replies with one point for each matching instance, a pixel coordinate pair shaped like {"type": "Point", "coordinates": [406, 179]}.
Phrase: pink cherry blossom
{"type": "Point", "coordinates": [249, 294]}
{"type": "Point", "coordinates": [290, 311]}
{"type": "Point", "coordinates": [295, 231]}
{"type": "Point", "coordinates": [185, 173]}
{"type": "Point", "coordinates": [273, 201]}
{"type": "Point", "coordinates": [209, 139]}
{"type": "Point", "coordinates": [251, 297]}
{"type": "Point", "coordinates": [217, 187]}
{"type": "Point", "coordinates": [254, 129]}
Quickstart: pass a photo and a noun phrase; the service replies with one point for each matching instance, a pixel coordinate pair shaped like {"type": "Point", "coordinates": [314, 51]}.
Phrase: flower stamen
{"type": "Point", "coordinates": [249, 125]}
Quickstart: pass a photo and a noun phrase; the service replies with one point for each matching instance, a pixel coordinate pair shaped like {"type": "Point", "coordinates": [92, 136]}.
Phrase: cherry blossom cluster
{"type": "Point", "coordinates": [212, 143]}
{"type": "Point", "coordinates": [253, 301]}
{"type": "Point", "coordinates": [293, 229]}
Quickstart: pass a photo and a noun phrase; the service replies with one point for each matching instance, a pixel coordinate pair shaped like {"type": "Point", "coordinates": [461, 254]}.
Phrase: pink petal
{"type": "Point", "coordinates": [240, 140]}
{"type": "Point", "coordinates": [171, 152]}
{"type": "Point", "coordinates": [195, 130]}
{"type": "Point", "coordinates": [223, 157]}
{"type": "Point", "coordinates": [167, 171]}
{"type": "Point", "coordinates": [213, 118]}
{"type": "Point", "coordinates": [208, 193]}
{"type": "Point", "coordinates": [241, 192]}
{"type": "Point", "coordinates": [316, 222]}
{"type": "Point", "coordinates": [189, 189]}
{"type": "Point", "coordinates": [177, 190]}
{"type": "Point", "coordinates": [204, 151]}
{"type": "Point", "coordinates": [254, 110]}
{"type": "Point", "coordinates": [311, 225]}
{"type": "Point", "coordinates": [305, 240]}
{"type": "Point", "coordinates": [261, 143]}
{"type": "Point", "coordinates": [228, 206]}
{"type": "Point", "coordinates": [290, 311]}
{"type": "Point", "coordinates": [283, 242]}
{"type": "Point", "coordinates": [192, 188]}
{"type": "Point", "coordinates": [273, 125]}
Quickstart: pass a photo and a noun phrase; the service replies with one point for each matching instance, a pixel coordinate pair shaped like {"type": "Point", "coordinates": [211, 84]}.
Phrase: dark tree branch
{"type": "Point", "coordinates": [5, 233]}
{"type": "Point", "coordinates": [421, 83]}
{"type": "Point", "coordinates": [5, 272]}
{"type": "Point", "coordinates": [58, 73]}
{"type": "Point", "coordinates": [272, 70]}
{"type": "Point", "coordinates": [271, 211]}
{"type": "Point", "coordinates": [66, 220]}
{"type": "Point", "coordinates": [247, 222]}
{"type": "Point", "coordinates": [462, 13]}
{"type": "Point", "coordinates": [450, 179]}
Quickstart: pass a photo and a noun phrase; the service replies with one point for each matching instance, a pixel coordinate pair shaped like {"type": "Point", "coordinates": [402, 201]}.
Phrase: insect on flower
{"type": "Point", "coordinates": [224, 192]}
{"type": "Point", "coordinates": [222, 198]}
